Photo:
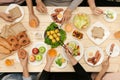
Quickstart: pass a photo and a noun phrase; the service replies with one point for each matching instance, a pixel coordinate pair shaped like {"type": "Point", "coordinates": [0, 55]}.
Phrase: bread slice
{"type": "Point", "coordinates": [15, 12]}
{"type": "Point", "coordinates": [17, 28]}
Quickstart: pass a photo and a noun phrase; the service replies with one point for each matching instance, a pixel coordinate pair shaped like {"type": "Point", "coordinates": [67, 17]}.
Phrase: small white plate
{"type": "Point", "coordinates": [81, 49]}
{"type": "Point", "coordinates": [94, 49]}
{"type": "Point", "coordinates": [109, 19]}
{"type": "Point", "coordinates": [64, 64]}
{"type": "Point", "coordinates": [97, 40]}
{"type": "Point", "coordinates": [37, 45]}
{"type": "Point", "coordinates": [115, 52]}
{"type": "Point", "coordinates": [11, 6]}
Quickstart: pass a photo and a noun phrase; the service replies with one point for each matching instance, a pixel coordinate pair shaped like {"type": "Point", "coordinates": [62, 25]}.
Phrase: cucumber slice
{"type": "Point", "coordinates": [42, 49]}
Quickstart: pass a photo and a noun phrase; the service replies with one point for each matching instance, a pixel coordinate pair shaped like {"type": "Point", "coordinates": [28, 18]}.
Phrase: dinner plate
{"type": "Point", "coordinates": [98, 41]}
{"type": "Point", "coordinates": [11, 6]}
{"type": "Point", "coordinates": [115, 52]}
{"type": "Point", "coordinates": [60, 55]}
{"type": "Point", "coordinates": [93, 49]}
{"type": "Point", "coordinates": [37, 45]}
{"type": "Point", "coordinates": [78, 57]}
{"type": "Point", "coordinates": [109, 19]}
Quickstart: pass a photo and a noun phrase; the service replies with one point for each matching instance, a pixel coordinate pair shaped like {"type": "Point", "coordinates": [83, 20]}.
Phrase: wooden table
{"type": "Point", "coordinates": [45, 20]}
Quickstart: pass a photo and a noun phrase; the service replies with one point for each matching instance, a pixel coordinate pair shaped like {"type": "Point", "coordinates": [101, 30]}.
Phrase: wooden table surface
{"type": "Point", "coordinates": [45, 20]}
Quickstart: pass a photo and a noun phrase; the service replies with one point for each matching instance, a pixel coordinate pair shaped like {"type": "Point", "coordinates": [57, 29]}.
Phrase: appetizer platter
{"type": "Point", "coordinates": [110, 15]}
{"type": "Point", "coordinates": [98, 33]}
{"type": "Point", "coordinates": [81, 21]}
{"type": "Point", "coordinates": [94, 56]}
{"type": "Point", "coordinates": [37, 53]}
{"type": "Point", "coordinates": [77, 48]}
{"type": "Point", "coordinates": [113, 50]}
{"type": "Point", "coordinates": [16, 11]}
{"type": "Point", "coordinates": [54, 36]}
{"type": "Point", "coordinates": [60, 61]}
{"type": "Point", "coordinates": [57, 15]}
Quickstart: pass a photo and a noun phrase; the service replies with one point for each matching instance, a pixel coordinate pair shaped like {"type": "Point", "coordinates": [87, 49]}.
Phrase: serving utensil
{"type": "Point", "coordinates": [64, 46]}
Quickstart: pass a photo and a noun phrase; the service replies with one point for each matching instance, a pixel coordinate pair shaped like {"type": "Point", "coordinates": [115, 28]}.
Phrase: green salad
{"type": "Point", "coordinates": [54, 36]}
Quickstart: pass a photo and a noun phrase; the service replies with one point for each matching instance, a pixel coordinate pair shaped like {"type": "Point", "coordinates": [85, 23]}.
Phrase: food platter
{"type": "Point", "coordinates": [54, 36]}
{"type": "Point", "coordinates": [110, 15]}
{"type": "Point", "coordinates": [60, 61]}
{"type": "Point", "coordinates": [11, 6]}
{"type": "Point", "coordinates": [77, 48]}
{"type": "Point", "coordinates": [115, 51]}
{"type": "Point", "coordinates": [91, 52]}
{"type": "Point", "coordinates": [100, 32]}
{"type": "Point", "coordinates": [36, 58]}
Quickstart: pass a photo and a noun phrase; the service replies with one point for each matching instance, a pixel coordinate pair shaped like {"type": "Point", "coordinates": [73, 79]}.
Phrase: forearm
{"type": "Point", "coordinates": [25, 72]}
{"type": "Point", "coordinates": [100, 74]}
{"type": "Point", "coordinates": [91, 4]}
{"type": "Point", "coordinates": [30, 6]}
{"type": "Point", "coordinates": [74, 4]}
{"type": "Point", "coordinates": [37, 1]}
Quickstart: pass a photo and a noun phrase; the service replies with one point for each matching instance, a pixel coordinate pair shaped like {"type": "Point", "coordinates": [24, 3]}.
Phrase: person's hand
{"type": "Point", "coordinates": [97, 11]}
{"type": "Point", "coordinates": [41, 7]}
{"type": "Point", "coordinates": [6, 17]}
{"type": "Point", "coordinates": [49, 61]}
{"type": "Point", "coordinates": [105, 64]}
{"type": "Point", "coordinates": [24, 62]}
{"type": "Point", "coordinates": [33, 17]}
{"type": "Point", "coordinates": [67, 15]}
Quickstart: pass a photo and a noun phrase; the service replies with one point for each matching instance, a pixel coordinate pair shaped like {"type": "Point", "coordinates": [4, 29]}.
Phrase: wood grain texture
{"type": "Point", "coordinates": [45, 20]}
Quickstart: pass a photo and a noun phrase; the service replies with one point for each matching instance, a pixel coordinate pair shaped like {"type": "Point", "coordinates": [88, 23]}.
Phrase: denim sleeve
{"type": "Point", "coordinates": [29, 78]}
{"type": "Point", "coordinates": [74, 4]}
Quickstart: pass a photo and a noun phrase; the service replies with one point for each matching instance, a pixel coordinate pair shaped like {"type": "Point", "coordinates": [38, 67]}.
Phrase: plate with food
{"type": "Point", "coordinates": [76, 48]}
{"type": "Point", "coordinates": [37, 53]}
{"type": "Point", "coordinates": [113, 50]}
{"type": "Point", "coordinates": [54, 36]}
{"type": "Point", "coordinates": [98, 33]}
{"type": "Point", "coordinates": [81, 21]}
{"type": "Point", "coordinates": [60, 61]}
{"type": "Point", "coordinates": [110, 15]}
{"type": "Point", "coordinates": [57, 15]}
{"type": "Point", "coordinates": [16, 11]}
{"type": "Point", "coordinates": [94, 56]}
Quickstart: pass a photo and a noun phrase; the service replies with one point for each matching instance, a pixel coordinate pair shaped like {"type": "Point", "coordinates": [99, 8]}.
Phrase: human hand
{"type": "Point", "coordinates": [105, 64]}
{"type": "Point", "coordinates": [97, 11]}
{"type": "Point", "coordinates": [33, 21]}
{"type": "Point", "coordinates": [41, 7]}
{"type": "Point", "coordinates": [67, 15]}
{"type": "Point", "coordinates": [24, 62]}
{"type": "Point", "coordinates": [6, 17]}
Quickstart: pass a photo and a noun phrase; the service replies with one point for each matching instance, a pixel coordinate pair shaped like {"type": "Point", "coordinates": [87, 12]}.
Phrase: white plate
{"type": "Point", "coordinates": [97, 40]}
{"type": "Point", "coordinates": [64, 64]}
{"type": "Point", "coordinates": [115, 52]}
{"type": "Point", "coordinates": [94, 49]}
{"type": "Point", "coordinates": [11, 6]}
{"type": "Point", "coordinates": [81, 49]}
{"type": "Point", "coordinates": [37, 45]}
{"type": "Point", "coordinates": [114, 14]}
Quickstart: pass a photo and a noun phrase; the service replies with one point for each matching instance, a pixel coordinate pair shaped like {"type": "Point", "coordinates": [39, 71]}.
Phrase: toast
{"type": "Point", "coordinates": [15, 13]}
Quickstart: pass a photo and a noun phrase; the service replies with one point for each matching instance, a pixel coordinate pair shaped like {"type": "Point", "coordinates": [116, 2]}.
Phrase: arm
{"type": "Point", "coordinates": [105, 66]}
{"type": "Point", "coordinates": [68, 12]}
{"type": "Point", "coordinates": [78, 68]}
{"type": "Point", "coordinates": [74, 4]}
{"type": "Point", "coordinates": [33, 20]}
{"type": "Point", "coordinates": [41, 7]}
{"type": "Point", "coordinates": [30, 7]}
{"type": "Point", "coordinates": [94, 9]}
{"type": "Point", "coordinates": [46, 72]}
{"type": "Point", "coordinates": [6, 17]}
{"type": "Point", "coordinates": [24, 64]}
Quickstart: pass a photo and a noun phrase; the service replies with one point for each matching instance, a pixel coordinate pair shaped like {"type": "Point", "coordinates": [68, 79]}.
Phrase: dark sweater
{"type": "Point", "coordinates": [79, 74]}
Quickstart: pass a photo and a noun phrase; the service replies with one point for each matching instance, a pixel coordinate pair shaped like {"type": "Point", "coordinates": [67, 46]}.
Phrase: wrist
{"type": "Point", "coordinates": [47, 67]}
{"type": "Point", "coordinates": [68, 10]}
